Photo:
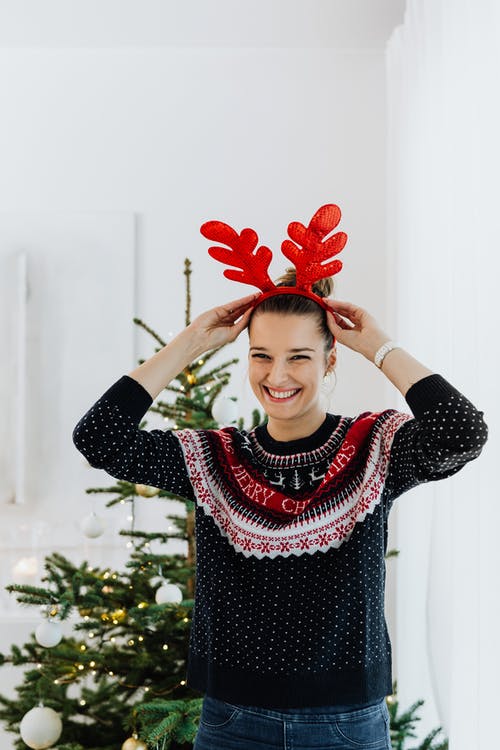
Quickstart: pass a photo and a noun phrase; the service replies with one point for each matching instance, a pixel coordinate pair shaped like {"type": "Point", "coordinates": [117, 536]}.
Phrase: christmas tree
{"type": "Point", "coordinates": [118, 681]}
{"type": "Point", "coordinates": [403, 725]}
{"type": "Point", "coordinates": [121, 673]}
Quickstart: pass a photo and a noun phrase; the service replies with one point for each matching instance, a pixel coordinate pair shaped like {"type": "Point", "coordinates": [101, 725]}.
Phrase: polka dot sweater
{"type": "Point", "coordinates": [290, 536]}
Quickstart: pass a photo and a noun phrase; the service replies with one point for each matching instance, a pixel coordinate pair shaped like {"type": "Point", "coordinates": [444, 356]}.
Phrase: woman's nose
{"type": "Point", "coordinates": [278, 373]}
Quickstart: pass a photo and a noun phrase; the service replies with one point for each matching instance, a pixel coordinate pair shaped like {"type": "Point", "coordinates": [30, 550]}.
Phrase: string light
{"type": "Point", "coordinates": [141, 638]}
{"type": "Point", "coordinates": [92, 664]}
{"type": "Point", "coordinates": [81, 667]}
{"type": "Point", "coordinates": [83, 647]}
{"type": "Point", "coordinates": [91, 635]}
{"type": "Point", "coordinates": [165, 647]}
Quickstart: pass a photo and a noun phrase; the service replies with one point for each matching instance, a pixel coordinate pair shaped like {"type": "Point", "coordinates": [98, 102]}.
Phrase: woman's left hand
{"type": "Point", "coordinates": [355, 328]}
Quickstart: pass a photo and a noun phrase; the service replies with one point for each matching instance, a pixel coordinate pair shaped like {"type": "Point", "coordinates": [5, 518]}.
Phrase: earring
{"type": "Point", "coordinates": [327, 377]}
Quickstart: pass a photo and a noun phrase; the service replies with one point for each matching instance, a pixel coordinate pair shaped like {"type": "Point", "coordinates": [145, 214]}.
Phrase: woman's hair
{"type": "Point", "coordinates": [296, 304]}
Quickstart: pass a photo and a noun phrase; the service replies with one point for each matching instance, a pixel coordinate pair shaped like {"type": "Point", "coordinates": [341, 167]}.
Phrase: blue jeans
{"type": "Point", "coordinates": [228, 726]}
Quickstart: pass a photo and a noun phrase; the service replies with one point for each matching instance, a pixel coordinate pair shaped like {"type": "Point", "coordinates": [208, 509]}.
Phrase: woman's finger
{"type": "Point", "coordinates": [236, 304]}
{"type": "Point", "coordinates": [338, 303]}
{"type": "Point", "coordinates": [344, 324]}
{"type": "Point", "coordinates": [340, 322]}
{"type": "Point", "coordinates": [346, 308]}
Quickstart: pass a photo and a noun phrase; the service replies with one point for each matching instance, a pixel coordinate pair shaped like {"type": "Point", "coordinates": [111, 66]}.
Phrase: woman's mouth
{"type": "Point", "coordinates": [281, 396]}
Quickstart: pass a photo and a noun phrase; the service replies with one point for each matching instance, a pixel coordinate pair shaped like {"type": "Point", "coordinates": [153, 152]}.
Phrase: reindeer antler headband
{"type": "Point", "coordinates": [308, 252]}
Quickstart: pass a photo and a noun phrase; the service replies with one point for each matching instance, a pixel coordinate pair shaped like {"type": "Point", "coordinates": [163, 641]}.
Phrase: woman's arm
{"type": "Point", "coordinates": [447, 430]}
{"type": "Point", "coordinates": [357, 329]}
{"type": "Point", "coordinates": [213, 328]}
{"type": "Point", "coordinates": [108, 435]}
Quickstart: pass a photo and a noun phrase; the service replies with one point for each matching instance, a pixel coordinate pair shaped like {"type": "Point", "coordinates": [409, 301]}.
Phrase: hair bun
{"type": "Point", "coordinates": [322, 287]}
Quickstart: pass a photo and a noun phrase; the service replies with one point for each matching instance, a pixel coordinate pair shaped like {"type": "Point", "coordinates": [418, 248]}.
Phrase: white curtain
{"type": "Point", "coordinates": [443, 79]}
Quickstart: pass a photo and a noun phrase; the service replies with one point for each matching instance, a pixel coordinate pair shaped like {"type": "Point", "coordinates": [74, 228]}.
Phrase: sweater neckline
{"type": "Point", "coordinates": [307, 444]}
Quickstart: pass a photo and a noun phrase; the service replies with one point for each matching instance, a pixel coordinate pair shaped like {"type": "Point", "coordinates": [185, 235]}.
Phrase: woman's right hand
{"type": "Point", "coordinates": [222, 324]}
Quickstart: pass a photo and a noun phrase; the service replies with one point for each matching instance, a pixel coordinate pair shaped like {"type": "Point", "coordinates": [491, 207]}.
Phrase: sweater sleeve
{"type": "Point", "coordinates": [446, 432]}
{"type": "Point", "coordinates": [109, 437]}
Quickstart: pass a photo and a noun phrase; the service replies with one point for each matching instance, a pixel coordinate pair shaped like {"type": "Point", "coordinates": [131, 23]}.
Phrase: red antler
{"type": "Point", "coordinates": [310, 252]}
{"type": "Point", "coordinates": [253, 265]}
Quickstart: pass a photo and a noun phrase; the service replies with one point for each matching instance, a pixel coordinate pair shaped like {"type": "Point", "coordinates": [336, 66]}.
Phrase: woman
{"type": "Point", "coordinates": [289, 642]}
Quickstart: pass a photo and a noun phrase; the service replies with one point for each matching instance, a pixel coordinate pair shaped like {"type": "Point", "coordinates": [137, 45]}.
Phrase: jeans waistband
{"type": "Point", "coordinates": [311, 710]}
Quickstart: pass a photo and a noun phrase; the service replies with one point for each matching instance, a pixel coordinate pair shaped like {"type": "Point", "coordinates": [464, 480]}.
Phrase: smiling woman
{"type": "Point", "coordinates": [292, 516]}
{"type": "Point", "coordinates": [289, 357]}
{"type": "Point", "coordinates": [291, 351]}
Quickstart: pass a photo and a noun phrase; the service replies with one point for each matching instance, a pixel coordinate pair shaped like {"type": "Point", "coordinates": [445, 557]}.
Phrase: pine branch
{"type": "Point", "coordinates": [149, 330]}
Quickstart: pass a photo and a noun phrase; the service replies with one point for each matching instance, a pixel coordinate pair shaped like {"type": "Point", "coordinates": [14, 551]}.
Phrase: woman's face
{"type": "Point", "coordinates": [287, 363]}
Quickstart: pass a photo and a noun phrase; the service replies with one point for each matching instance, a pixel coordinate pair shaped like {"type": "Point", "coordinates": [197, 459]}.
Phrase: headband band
{"type": "Point", "coordinates": [293, 290]}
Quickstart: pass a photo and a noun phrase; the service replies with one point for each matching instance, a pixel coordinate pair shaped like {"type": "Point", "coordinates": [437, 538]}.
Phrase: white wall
{"type": "Point", "coordinates": [255, 136]}
{"type": "Point", "coordinates": [444, 161]}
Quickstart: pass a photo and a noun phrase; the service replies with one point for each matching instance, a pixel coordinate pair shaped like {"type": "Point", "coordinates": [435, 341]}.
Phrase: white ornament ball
{"type": "Point", "coordinates": [93, 526]}
{"type": "Point", "coordinates": [225, 410]}
{"type": "Point", "coordinates": [48, 634]}
{"type": "Point", "coordinates": [25, 570]}
{"type": "Point", "coordinates": [40, 727]}
{"type": "Point", "coordinates": [133, 744]}
{"type": "Point", "coordinates": [168, 593]}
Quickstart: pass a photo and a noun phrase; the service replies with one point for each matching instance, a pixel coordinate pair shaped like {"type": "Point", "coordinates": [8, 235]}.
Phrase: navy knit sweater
{"type": "Point", "coordinates": [290, 536]}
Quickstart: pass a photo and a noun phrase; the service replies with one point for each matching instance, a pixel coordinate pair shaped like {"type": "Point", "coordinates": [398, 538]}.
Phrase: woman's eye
{"type": "Point", "coordinates": [261, 355]}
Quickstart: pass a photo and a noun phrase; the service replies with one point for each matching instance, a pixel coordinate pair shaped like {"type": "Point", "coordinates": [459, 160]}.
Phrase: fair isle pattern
{"type": "Point", "coordinates": [303, 526]}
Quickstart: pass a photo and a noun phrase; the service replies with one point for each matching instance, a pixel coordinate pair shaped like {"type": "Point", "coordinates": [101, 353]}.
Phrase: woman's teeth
{"type": "Point", "coordinates": [283, 394]}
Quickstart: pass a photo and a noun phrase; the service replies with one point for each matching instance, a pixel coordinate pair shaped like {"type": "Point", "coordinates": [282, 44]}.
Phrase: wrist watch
{"type": "Point", "coordinates": [383, 351]}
